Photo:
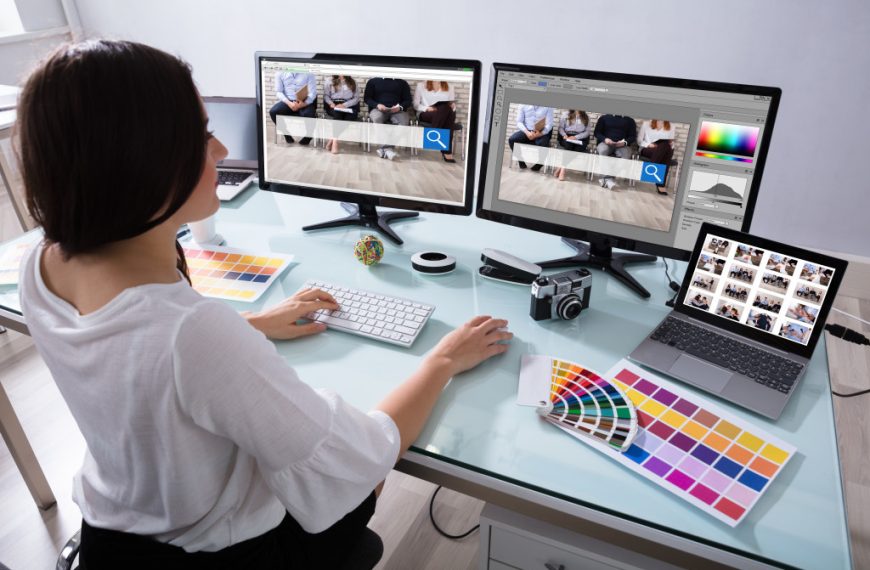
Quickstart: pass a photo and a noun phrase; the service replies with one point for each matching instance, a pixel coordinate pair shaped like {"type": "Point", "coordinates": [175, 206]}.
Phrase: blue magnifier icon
{"type": "Point", "coordinates": [434, 136]}
{"type": "Point", "coordinates": [652, 172]}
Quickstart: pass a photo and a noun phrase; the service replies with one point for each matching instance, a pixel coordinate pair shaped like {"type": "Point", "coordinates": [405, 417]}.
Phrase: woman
{"type": "Point", "coordinates": [573, 134]}
{"type": "Point", "coordinates": [656, 141]}
{"type": "Point", "coordinates": [435, 103]}
{"type": "Point", "coordinates": [204, 448]}
{"type": "Point", "coordinates": [341, 102]}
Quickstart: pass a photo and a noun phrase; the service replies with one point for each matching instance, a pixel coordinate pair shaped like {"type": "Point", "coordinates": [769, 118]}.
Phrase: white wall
{"type": "Point", "coordinates": [19, 54]}
{"type": "Point", "coordinates": [815, 189]}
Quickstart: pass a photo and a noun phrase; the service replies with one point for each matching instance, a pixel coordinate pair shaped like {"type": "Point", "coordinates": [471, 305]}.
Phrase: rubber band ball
{"type": "Point", "coordinates": [369, 250]}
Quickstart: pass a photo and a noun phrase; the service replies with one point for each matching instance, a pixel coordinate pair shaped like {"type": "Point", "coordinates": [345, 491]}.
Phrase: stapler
{"type": "Point", "coordinates": [505, 267]}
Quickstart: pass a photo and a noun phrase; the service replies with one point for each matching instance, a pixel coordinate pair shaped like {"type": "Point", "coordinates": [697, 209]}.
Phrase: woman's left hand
{"type": "Point", "coordinates": [280, 322]}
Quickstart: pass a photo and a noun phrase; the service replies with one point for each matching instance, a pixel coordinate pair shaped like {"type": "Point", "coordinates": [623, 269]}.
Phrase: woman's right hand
{"type": "Point", "coordinates": [470, 344]}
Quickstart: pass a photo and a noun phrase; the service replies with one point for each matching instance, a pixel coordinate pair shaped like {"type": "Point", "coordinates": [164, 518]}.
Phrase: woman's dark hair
{"type": "Point", "coordinates": [112, 141]}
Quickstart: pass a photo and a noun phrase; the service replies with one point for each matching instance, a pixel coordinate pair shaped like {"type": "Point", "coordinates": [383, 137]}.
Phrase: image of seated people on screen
{"type": "Point", "coordinates": [760, 320]}
{"type": "Point", "coordinates": [816, 274]}
{"type": "Point", "coordinates": [729, 310]}
{"type": "Point", "coordinates": [802, 313]}
{"type": "Point", "coordinates": [698, 300]}
{"type": "Point", "coordinates": [767, 302]}
{"type": "Point", "coordinates": [795, 332]}
{"type": "Point", "coordinates": [781, 263]}
{"type": "Point", "coordinates": [601, 165]}
{"type": "Point", "coordinates": [774, 282]}
{"type": "Point", "coordinates": [736, 291]}
{"type": "Point", "coordinates": [810, 293]}
{"type": "Point", "coordinates": [741, 273]}
{"type": "Point", "coordinates": [360, 130]}
{"type": "Point", "coordinates": [711, 264]}
{"type": "Point", "coordinates": [718, 246]}
{"type": "Point", "coordinates": [746, 254]}
{"type": "Point", "coordinates": [705, 281]}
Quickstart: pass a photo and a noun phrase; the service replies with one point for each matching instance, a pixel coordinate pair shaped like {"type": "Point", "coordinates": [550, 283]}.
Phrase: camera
{"type": "Point", "coordinates": [563, 295]}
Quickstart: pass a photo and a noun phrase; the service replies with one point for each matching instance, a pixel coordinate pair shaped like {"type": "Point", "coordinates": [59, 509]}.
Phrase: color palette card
{"type": "Point", "coordinates": [10, 261]}
{"type": "Point", "coordinates": [227, 273]}
{"type": "Point", "coordinates": [577, 400]}
{"type": "Point", "coordinates": [695, 449]}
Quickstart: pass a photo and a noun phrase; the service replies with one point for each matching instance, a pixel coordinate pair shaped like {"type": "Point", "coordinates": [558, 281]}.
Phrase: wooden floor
{"type": "Point", "coordinates": [425, 175]}
{"type": "Point", "coordinates": [30, 539]}
{"type": "Point", "coordinates": [640, 205]}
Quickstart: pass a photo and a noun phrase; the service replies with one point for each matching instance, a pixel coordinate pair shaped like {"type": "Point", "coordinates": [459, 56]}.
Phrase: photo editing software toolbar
{"type": "Point", "coordinates": [715, 135]}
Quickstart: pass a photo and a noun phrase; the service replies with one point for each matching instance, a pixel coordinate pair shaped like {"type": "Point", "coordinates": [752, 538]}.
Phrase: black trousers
{"type": "Point", "coordinates": [443, 117]}
{"type": "Point", "coordinates": [582, 147]}
{"type": "Point", "coordinates": [340, 116]}
{"type": "Point", "coordinates": [285, 546]}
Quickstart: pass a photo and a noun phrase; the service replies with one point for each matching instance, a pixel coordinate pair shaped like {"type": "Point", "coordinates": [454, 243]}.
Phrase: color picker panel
{"type": "Point", "coordinates": [696, 450]}
{"type": "Point", "coordinates": [728, 138]}
{"type": "Point", "coordinates": [224, 273]}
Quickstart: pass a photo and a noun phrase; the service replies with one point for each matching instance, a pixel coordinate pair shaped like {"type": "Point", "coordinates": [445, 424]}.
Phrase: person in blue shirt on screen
{"type": "Point", "coordinates": [615, 135]}
{"type": "Point", "coordinates": [535, 126]}
{"type": "Point", "coordinates": [297, 96]}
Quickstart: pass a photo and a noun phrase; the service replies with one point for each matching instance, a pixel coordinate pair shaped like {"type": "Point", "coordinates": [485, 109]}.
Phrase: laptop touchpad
{"type": "Point", "coordinates": [700, 373]}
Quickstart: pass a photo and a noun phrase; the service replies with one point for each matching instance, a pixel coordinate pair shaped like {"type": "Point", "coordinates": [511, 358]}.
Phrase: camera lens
{"type": "Point", "coordinates": [569, 307]}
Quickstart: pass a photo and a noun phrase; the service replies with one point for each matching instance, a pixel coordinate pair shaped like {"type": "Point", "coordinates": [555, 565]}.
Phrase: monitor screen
{"type": "Point", "coordinates": [233, 120]}
{"type": "Point", "coordinates": [370, 130]}
{"type": "Point", "coordinates": [771, 291]}
{"type": "Point", "coordinates": [636, 162]}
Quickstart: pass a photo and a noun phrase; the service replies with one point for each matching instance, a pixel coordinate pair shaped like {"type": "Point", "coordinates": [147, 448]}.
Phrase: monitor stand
{"type": "Point", "coordinates": [366, 215]}
{"type": "Point", "coordinates": [599, 253]}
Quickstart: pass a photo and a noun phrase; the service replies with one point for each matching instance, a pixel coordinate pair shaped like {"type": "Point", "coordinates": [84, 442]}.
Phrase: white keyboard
{"type": "Point", "coordinates": [381, 317]}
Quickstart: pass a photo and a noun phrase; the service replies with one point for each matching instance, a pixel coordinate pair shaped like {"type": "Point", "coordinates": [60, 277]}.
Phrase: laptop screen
{"type": "Point", "coordinates": [761, 288]}
{"type": "Point", "coordinates": [233, 120]}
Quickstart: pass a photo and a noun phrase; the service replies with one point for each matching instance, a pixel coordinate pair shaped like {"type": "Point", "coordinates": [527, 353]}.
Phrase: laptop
{"type": "Point", "coordinates": [233, 120]}
{"type": "Point", "coordinates": [746, 320]}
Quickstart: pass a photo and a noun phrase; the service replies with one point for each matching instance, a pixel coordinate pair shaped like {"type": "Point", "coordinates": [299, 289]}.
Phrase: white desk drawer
{"type": "Point", "coordinates": [527, 553]}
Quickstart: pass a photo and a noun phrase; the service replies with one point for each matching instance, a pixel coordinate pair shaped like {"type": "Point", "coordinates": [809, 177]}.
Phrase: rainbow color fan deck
{"type": "Point", "coordinates": [583, 403]}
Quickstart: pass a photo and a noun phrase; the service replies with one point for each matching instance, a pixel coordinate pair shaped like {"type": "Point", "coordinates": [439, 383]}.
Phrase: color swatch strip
{"type": "Point", "coordinates": [723, 157]}
{"type": "Point", "coordinates": [226, 273]}
{"type": "Point", "coordinates": [698, 451]}
{"type": "Point", "coordinates": [584, 403]}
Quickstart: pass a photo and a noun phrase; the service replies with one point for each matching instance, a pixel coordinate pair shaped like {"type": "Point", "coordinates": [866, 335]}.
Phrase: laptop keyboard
{"type": "Point", "coordinates": [773, 371]}
{"type": "Point", "coordinates": [232, 177]}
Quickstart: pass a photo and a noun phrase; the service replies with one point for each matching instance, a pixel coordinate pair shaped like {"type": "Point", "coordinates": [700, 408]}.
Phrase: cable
{"type": "Point", "coordinates": [441, 532]}
{"type": "Point", "coordinates": [852, 395]}
{"type": "Point", "coordinates": [849, 335]}
{"type": "Point", "coordinates": [672, 284]}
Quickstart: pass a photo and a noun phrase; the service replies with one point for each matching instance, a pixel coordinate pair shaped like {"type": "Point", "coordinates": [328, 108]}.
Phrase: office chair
{"type": "Point", "coordinates": [365, 555]}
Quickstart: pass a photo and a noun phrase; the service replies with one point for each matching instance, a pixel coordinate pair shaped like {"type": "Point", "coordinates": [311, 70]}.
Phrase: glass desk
{"type": "Point", "coordinates": [480, 442]}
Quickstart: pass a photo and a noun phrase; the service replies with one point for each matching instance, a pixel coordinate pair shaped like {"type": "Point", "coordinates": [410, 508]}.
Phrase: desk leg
{"type": "Point", "coordinates": [23, 454]}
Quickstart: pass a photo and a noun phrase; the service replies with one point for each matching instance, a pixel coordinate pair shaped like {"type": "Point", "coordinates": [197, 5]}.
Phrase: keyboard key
{"type": "Point", "coordinates": [373, 315]}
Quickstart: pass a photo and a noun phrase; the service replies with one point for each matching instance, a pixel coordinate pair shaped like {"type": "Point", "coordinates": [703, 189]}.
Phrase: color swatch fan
{"type": "Point", "coordinates": [583, 403]}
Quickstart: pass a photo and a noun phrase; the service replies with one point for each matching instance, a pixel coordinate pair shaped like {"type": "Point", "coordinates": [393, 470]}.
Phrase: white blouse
{"type": "Point", "coordinates": [650, 135]}
{"type": "Point", "coordinates": [423, 99]}
{"type": "Point", "coordinates": [198, 432]}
